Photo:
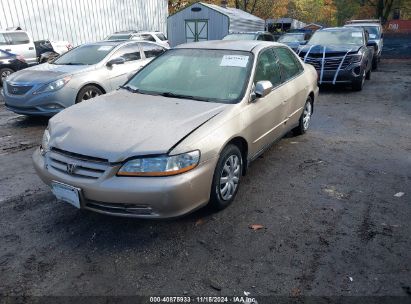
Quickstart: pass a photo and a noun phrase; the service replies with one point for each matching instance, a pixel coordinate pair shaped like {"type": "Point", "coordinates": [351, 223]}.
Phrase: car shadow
{"type": "Point", "coordinates": [23, 121]}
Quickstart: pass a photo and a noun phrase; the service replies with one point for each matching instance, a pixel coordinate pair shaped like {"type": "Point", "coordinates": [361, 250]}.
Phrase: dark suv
{"type": "Point", "coordinates": [264, 36]}
{"type": "Point", "coordinates": [340, 56]}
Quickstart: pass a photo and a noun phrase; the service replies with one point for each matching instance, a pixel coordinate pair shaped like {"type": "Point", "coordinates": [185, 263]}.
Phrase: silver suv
{"type": "Point", "coordinates": [20, 43]}
{"type": "Point", "coordinates": [374, 29]}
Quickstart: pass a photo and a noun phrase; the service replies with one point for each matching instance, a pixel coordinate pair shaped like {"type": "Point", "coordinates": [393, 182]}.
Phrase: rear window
{"type": "Point", "coordinates": [161, 36]}
{"type": "Point", "coordinates": [152, 50]}
{"type": "Point", "coordinates": [147, 37]}
{"type": "Point", "coordinates": [18, 38]}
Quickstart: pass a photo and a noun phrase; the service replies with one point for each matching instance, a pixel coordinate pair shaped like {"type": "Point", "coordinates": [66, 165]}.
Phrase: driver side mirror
{"type": "Point", "coordinates": [118, 60]}
{"type": "Point", "coordinates": [262, 89]}
{"type": "Point", "coordinates": [372, 43]}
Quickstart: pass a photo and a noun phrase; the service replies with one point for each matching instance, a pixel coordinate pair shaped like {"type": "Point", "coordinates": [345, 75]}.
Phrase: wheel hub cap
{"type": "Point", "coordinates": [229, 177]}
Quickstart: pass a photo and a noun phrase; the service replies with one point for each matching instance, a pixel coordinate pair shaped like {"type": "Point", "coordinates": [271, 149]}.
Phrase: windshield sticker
{"type": "Point", "coordinates": [356, 34]}
{"type": "Point", "coordinates": [234, 61]}
{"type": "Point", "coordinates": [105, 48]}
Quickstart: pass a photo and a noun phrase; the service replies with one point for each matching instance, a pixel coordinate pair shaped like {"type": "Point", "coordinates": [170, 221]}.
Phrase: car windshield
{"type": "Point", "coordinates": [291, 38]}
{"type": "Point", "coordinates": [240, 37]}
{"type": "Point", "coordinates": [337, 37]}
{"type": "Point", "coordinates": [119, 37]}
{"type": "Point", "coordinates": [207, 75]}
{"type": "Point", "coordinates": [85, 54]}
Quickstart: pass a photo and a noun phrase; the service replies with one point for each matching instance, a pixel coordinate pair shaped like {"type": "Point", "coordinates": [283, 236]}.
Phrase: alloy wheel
{"type": "Point", "coordinates": [4, 75]}
{"type": "Point", "coordinates": [89, 94]}
{"type": "Point", "coordinates": [307, 115]}
{"type": "Point", "coordinates": [229, 177]}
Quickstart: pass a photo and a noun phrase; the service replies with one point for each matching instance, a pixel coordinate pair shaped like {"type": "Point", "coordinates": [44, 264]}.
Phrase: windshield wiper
{"type": "Point", "coordinates": [173, 95]}
{"type": "Point", "coordinates": [71, 63]}
{"type": "Point", "coordinates": [130, 89]}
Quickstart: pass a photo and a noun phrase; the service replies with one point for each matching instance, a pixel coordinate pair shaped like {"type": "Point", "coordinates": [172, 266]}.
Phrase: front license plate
{"type": "Point", "coordinates": [66, 193]}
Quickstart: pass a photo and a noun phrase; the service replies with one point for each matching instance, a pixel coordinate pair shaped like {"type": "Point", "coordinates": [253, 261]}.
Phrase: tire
{"type": "Point", "coordinates": [229, 168]}
{"type": "Point", "coordinates": [305, 118]}
{"type": "Point", "coordinates": [368, 75]}
{"type": "Point", "coordinates": [358, 84]}
{"type": "Point", "coordinates": [375, 63]}
{"type": "Point", "coordinates": [4, 73]}
{"type": "Point", "coordinates": [88, 92]}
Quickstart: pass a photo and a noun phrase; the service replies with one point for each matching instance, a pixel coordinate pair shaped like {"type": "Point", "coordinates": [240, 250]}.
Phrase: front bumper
{"type": "Point", "coordinates": [346, 76]}
{"type": "Point", "coordinates": [140, 197]}
{"type": "Point", "coordinates": [43, 104]}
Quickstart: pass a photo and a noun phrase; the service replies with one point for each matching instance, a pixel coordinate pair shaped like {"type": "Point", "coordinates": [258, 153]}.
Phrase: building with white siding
{"type": "Point", "coordinates": [80, 21]}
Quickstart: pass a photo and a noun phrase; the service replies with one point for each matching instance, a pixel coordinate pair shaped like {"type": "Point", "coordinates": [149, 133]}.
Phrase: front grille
{"type": "Point", "coordinates": [330, 64]}
{"type": "Point", "coordinates": [18, 89]}
{"type": "Point", "coordinates": [75, 165]}
{"type": "Point", "coordinates": [120, 208]}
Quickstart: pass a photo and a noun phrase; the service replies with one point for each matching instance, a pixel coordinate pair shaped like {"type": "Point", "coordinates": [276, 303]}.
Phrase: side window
{"type": "Point", "coordinates": [289, 64]}
{"type": "Point", "coordinates": [268, 68]}
{"type": "Point", "coordinates": [147, 37]}
{"type": "Point", "coordinates": [3, 40]}
{"type": "Point", "coordinates": [268, 38]}
{"type": "Point", "coordinates": [260, 37]}
{"type": "Point", "coordinates": [129, 52]}
{"type": "Point", "coordinates": [161, 36]}
{"type": "Point", "coordinates": [18, 38]}
{"type": "Point", "coordinates": [151, 49]}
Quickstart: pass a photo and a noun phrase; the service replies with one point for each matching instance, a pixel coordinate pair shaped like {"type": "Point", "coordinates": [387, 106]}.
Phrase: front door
{"type": "Point", "coordinates": [196, 30]}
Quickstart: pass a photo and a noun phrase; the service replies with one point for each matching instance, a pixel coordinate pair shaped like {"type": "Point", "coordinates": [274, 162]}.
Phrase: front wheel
{"type": "Point", "coordinates": [4, 73]}
{"type": "Point", "coordinates": [358, 84]}
{"type": "Point", "coordinates": [88, 92]}
{"type": "Point", "coordinates": [226, 179]}
{"type": "Point", "coordinates": [305, 118]}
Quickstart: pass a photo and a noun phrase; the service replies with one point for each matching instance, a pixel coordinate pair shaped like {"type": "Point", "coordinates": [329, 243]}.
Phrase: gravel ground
{"type": "Point", "coordinates": [332, 223]}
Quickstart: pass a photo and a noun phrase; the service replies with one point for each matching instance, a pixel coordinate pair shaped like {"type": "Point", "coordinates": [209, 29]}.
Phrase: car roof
{"type": "Point", "coordinates": [234, 45]}
{"type": "Point", "coordinates": [336, 29]}
{"type": "Point", "coordinates": [110, 42]}
{"type": "Point", "coordinates": [362, 24]}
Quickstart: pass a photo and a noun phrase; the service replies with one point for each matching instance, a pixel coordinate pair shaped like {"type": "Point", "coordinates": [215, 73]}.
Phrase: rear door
{"type": "Point", "coordinates": [20, 44]}
{"type": "Point", "coordinates": [295, 84]}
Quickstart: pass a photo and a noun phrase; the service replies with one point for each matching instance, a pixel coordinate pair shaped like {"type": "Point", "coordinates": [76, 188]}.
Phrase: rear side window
{"type": "Point", "coordinates": [147, 37]}
{"type": "Point", "coordinates": [18, 38]}
{"type": "Point", "coordinates": [268, 38]}
{"type": "Point", "coordinates": [152, 50]}
{"type": "Point", "coordinates": [268, 68]}
{"type": "Point", "coordinates": [3, 39]}
{"type": "Point", "coordinates": [289, 64]}
{"type": "Point", "coordinates": [129, 52]}
{"type": "Point", "coordinates": [161, 36]}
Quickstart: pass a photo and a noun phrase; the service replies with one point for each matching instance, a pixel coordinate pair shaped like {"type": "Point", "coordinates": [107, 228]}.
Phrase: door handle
{"type": "Point", "coordinates": [8, 50]}
{"type": "Point", "coordinates": [31, 48]}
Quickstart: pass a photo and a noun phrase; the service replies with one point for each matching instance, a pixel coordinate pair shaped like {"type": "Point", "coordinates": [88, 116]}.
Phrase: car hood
{"type": "Point", "coordinates": [329, 49]}
{"type": "Point", "coordinates": [122, 124]}
{"type": "Point", "coordinates": [46, 72]}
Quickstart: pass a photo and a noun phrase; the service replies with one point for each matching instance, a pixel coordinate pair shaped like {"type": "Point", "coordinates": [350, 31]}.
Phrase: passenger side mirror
{"type": "Point", "coordinates": [262, 89]}
{"type": "Point", "coordinates": [372, 43]}
{"type": "Point", "coordinates": [118, 60]}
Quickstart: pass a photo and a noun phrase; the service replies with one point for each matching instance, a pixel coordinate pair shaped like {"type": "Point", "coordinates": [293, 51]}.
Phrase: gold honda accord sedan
{"type": "Point", "coordinates": [181, 132]}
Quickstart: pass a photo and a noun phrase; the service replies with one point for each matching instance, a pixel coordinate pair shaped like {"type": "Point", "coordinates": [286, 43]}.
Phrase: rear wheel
{"type": "Point", "coordinates": [375, 63]}
{"type": "Point", "coordinates": [4, 73]}
{"type": "Point", "coordinates": [305, 118]}
{"type": "Point", "coordinates": [226, 179]}
{"type": "Point", "coordinates": [368, 75]}
{"type": "Point", "coordinates": [88, 92]}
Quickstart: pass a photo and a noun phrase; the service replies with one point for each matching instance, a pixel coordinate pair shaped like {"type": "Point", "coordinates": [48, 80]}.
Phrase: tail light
{"type": "Point", "coordinates": [20, 58]}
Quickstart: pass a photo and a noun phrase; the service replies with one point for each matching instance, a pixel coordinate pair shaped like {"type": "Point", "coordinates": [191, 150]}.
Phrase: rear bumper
{"type": "Point", "coordinates": [140, 197]}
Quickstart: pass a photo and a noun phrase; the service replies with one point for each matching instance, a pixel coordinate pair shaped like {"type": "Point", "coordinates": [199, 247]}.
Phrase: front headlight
{"type": "Point", "coordinates": [45, 142]}
{"type": "Point", "coordinates": [53, 86]}
{"type": "Point", "coordinates": [162, 165]}
{"type": "Point", "coordinates": [356, 58]}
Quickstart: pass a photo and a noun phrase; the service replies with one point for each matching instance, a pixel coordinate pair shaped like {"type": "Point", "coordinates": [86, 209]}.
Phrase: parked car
{"type": "Point", "coordinates": [18, 42]}
{"type": "Point", "coordinates": [9, 63]}
{"type": "Point", "coordinates": [264, 36]}
{"type": "Point", "coordinates": [80, 74]}
{"type": "Point", "coordinates": [375, 30]}
{"type": "Point", "coordinates": [181, 132]}
{"type": "Point", "coordinates": [294, 40]}
{"type": "Point", "coordinates": [49, 49]}
{"type": "Point", "coordinates": [157, 37]}
{"type": "Point", "coordinates": [340, 56]}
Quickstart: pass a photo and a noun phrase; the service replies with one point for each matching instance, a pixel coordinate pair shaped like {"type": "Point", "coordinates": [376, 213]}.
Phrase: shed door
{"type": "Point", "coordinates": [196, 30]}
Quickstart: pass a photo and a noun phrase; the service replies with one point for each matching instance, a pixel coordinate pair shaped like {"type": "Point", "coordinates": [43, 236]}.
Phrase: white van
{"type": "Point", "coordinates": [20, 43]}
